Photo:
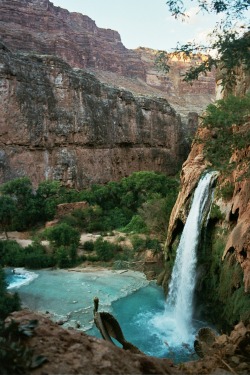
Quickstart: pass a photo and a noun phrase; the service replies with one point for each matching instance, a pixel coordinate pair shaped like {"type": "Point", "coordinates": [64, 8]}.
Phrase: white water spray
{"type": "Point", "coordinates": [181, 289]}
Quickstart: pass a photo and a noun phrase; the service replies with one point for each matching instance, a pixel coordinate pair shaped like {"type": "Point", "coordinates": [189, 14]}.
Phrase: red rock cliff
{"type": "Point", "coordinates": [62, 123]}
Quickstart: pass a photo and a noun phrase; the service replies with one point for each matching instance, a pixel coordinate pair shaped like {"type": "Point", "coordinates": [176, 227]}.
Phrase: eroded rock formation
{"type": "Point", "coordinates": [62, 123]}
{"type": "Point", "coordinates": [73, 352]}
{"type": "Point", "coordinates": [229, 228]}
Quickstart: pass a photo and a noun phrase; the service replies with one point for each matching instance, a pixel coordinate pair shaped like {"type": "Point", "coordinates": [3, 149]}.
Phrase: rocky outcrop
{"type": "Point", "coordinates": [40, 27]}
{"type": "Point", "coordinates": [63, 351]}
{"type": "Point", "coordinates": [62, 123]}
{"type": "Point", "coordinates": [73, 352]}
{"type": "Point", "coordinates": [59, 122]}
{"type": "Point", "coordinates": [43, 28]}
{"type": "Point", "coordinates": [225, 249]}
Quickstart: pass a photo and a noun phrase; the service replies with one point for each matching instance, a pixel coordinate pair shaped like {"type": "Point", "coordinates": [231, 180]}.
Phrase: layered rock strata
{"type": "Point", "coordinates": [39, 26]}
{"type": "Point", "coordinates": [62, 123]}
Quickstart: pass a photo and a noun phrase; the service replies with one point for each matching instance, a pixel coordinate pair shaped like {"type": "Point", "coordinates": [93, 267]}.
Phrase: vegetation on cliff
{"type": "Point", "coordinates": [227, 121]}
{"type": "Point", "coordinates": [229, 43]}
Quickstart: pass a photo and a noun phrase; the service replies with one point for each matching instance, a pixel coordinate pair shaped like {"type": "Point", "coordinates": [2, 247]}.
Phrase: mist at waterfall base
{"type": "Point", "coordinates": [157, 327]}
{"type": "Point", "coordinates": [177, 320]}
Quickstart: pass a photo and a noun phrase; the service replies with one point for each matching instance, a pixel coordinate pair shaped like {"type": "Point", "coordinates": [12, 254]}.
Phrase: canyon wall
{"type": "Point", "coordinates": [62, 123]}
{"type": "Point", "coordinates": [223, 270]}
{"type": "Point", "coordinates": [79, 107]}
{"type": "Point", "coordinates": [40, 27]}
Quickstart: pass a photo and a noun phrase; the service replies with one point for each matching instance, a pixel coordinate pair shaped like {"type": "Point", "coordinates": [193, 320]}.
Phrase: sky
{"type": "Point", "coordinates": [144, 23]}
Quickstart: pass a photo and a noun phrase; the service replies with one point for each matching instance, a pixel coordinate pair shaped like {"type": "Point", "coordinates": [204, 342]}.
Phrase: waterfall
{"type": "Point", "coordinates": [182, 284]}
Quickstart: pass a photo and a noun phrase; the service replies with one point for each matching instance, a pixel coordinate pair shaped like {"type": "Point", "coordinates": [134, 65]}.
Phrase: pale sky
{"type": "Point", "coordinates": [144, 23]}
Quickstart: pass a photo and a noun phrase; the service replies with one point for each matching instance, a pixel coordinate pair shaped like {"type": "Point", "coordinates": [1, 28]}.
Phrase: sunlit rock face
{"type": "Point", "coordinates": [59, 122]}
{"type": "Point", "coordinates": [41, 27]}
{"type": "Point", "coordinates": [62, 123]}
{"type": "Point", "coordinates": [38, 26]}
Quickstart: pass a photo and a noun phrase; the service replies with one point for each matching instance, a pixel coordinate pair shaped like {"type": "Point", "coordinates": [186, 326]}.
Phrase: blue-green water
{"type": "Point", "coordinates": [138, 305]}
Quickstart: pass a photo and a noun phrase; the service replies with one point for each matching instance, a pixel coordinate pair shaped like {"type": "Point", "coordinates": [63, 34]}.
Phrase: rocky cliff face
{"type": "Point", "coordinates": [73, 352]}
{"type": "Point", "coordinates": [38, 26]}
{"type": "Point", "coordinates": [62, 123]}
{"type": "Point", "coordinates": [96, 124]}
{"type": "Point", "coordinates": [224, 257]}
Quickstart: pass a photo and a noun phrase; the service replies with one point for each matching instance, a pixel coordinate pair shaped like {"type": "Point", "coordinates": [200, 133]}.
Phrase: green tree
{"type": "Point", "coordinates": [63, 235]}
{"type": "Point", "coordinates": [8, 302]}
{"type": "Point", "coordinates": [7, 213]}
{"type": "Point", "coordinates": [21, 191]}
{"type": "Point", "coordinates": [65, 241]}
{"type": "Point", "coordinates": [104, 249]}
{"type": "Point", "coordinates": [232, 45]}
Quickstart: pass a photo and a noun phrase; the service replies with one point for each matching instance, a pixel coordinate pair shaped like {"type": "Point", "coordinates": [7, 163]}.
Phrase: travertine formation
{"type": "Point", "coordinates": [236, 210]}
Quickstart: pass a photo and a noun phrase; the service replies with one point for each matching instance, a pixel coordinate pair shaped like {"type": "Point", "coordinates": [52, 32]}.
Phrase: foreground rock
{"type": "Point", "coordinates": [74, 352]}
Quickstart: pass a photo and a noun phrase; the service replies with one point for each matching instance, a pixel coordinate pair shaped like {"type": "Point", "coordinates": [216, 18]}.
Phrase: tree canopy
{"type": "Point", "coordinates": [229, 39]}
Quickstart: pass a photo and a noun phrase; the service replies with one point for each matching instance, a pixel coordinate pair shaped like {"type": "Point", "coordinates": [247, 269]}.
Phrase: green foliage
{"type": "Point", "coordinates": [11, 254]}
{"type": "Point", "coordinates": [232, 48]}
{"type": "Point", "coordinates": [62, 235]}
{"type": "Point", "coordinates": [161, 61]}
{"type": "Point", "coordinates": [8, 302]}
{"type": "Point", "coordinates": [105, 250]}
{"type": "Point", "coordinates": [221, 282]}
{"type": "Point", "coordinates": [221, 117]}
{"type": "Point", "coordinates": [112, 206]}
{"type": "Point", "coordinates": [7, 212]}
{"type": "Point", "coordinates": [88, 246]}
{"type": "Point", "coordinates": [156, 212]}
{"type": "Point", "coordinates": [33, 256]}
{"type": "Point", "coordinates": [136, 225]}
{"type": "Point", "coordinates": [143, 243]}
{"type": "Point", "coordinates": [227, 190]}
{"type": "Point", "coordinates": [226, 112]}
{"type": "Point", "coordinates": [62, 257]}
{"type": "Point", "coordinates": [138, 243]}
{"type": "Point", "coordinates": [20, 190]}
{"type": "Point", "coordinates": [215, 213]}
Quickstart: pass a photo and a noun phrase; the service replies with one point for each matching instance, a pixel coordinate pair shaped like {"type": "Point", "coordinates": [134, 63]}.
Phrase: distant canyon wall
{"type": "Point", "coordinates": [40, 27]}
{"type": "Point", "coordinates": [79, 107]}
{"type": "Point", "coordinates": [62, 123]}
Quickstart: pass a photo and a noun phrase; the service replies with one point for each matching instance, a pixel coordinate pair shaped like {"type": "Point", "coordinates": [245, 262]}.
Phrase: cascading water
{"type": "Point", "coordinates": [182, 285]}
{"type": "Point", "coordinates": [175, 324]}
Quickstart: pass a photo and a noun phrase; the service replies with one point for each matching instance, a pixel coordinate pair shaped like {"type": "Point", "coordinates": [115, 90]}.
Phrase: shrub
{"type": "Point", "coordinates": [154, 244]}
{"type": "Point", "coordinates": [62, 257]}
{"type": "Point", "coordinates": [220, 117]}
{"type": "Point", "coordinates": [105, 250]}
{"type": "Point", "coordinates": [63, 235]}
{"type": "Point", "coordinates": [228, 111]}
{"type": "Point", "coordinates": [215, 213]}
{"type": "Point", "coordinates": [138, 243]}
{"type": "Point", "coordinates": [88, 245]}
{"type": "Point", "coordinates": [227, 190]}
{"type": "Point", "coordinates": [12, 254]}
{"type": "Point", "coordinates": [8, 302]}
{"type": "Point", "coordinates": [136, 225]}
